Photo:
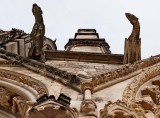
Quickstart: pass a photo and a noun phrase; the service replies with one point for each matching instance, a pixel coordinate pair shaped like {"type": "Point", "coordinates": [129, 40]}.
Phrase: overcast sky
{"type": "Point", "coordinates": [63, 18]}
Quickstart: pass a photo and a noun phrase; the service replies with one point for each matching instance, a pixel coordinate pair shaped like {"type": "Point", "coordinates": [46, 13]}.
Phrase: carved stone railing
{"type": "Point", "coordinates": [50, 71]}
{"type": "Point", "coordinates": [123, 71]}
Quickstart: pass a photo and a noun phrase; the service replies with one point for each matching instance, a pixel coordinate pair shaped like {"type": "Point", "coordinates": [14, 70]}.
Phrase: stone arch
{"type": "Point", "coordinates": [19, 91]}
{"type": "Point", "coordinates": [143, 97]}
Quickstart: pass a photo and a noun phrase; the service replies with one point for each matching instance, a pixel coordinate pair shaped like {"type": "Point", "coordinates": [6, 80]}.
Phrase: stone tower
{"type": "Point", "coordinates": [132, 48]}
{"type": "Point", "coordinates": [87, 40]}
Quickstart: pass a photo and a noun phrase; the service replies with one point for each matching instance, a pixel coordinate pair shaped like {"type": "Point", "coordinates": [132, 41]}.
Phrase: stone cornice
{"type": "Point", "coordinates": [89, 42]}
{"type": "Point", "coordinates": [85, 57]}
{"type": "Point", "coordinates": [50, 71]}
{"type": "Point", "coordinates": [115, 75]}
{"type": "Point", "coordinates": [5, 63]}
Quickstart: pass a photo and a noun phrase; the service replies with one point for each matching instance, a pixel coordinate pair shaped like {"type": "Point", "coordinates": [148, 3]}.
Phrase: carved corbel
{"type": "Point", "coordinates": [87, 85]}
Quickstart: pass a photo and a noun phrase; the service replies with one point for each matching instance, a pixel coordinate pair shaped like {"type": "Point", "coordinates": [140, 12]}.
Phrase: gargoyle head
{"type": "Point", "coordinates": [36, 10]}
{"type": "Point", "coordinates": [132, 18]}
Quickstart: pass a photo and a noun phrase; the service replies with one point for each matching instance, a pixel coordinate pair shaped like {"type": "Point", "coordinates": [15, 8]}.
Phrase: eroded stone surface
{"type": "Point", "coordinates": [83, 69]}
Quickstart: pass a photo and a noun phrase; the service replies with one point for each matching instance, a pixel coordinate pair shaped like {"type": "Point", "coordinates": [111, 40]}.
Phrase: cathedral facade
{"type": "Point", "coordinates": [86, 80]}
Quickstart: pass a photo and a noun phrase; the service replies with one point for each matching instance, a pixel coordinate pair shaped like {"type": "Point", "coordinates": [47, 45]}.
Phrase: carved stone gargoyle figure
{"type": "Point", "coordinates": [37, 35]}
{"type": "Point", "coordinates": [132, 51]}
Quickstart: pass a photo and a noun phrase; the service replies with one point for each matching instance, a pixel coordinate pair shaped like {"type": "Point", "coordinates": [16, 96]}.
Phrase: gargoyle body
{"type": "Point", "coordinates": [37, 35]}
{"type": "Point", "coordinates": [133, 43]}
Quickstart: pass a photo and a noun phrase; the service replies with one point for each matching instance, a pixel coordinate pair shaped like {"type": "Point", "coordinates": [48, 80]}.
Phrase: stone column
{"type": "Point", "coordinates": [87, 94]}
{"type": "Point", "coordinates": [88, 106]}
{"type": "Point", "coordinates": [87, 89]}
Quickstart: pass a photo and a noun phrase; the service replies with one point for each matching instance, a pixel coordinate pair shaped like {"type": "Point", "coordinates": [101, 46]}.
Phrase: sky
{"type": "Point", "coordinates": [62, 19]}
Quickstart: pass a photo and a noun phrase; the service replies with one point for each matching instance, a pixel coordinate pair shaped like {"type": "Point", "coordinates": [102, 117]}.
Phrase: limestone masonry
{"type": "Point", "coordinates": [86, 80]}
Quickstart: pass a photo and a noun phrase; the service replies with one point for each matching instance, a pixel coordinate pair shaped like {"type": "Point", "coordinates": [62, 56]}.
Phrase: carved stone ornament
{"type": "Point", "coordinates": [144, 100]}
{"type": "Point", "coordinates": [133, 43]}
{"type": "Point", "coordinates": [117, 109]}
{"type": "Point", "coordinates": [127, 69]}
{"type": "Point", "coordinates": [24, 79]}
{"type": "Point", "coordinates": [89, 108]}
{"type": "Point", "coordinates": [14, 103]}
{"type": "Point", "coordinates": [47, 70]}
{"type": "Point", "coordinates": [6, 97]}
{"type": "Point", "coordinates": [130, 91]}
{"type": "Point", "coordinates": [37, 35]}
{"type": "Point", "coordinates": [51, 109]}
{"type": "Point", "coordinates": [87, 85]}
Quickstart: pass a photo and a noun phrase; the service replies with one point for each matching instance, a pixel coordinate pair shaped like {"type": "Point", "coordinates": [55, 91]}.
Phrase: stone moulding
{"type": "Point", "coordinates": [55, 73]}
{"type": "Point", "coordinates": [148, 102]}
{"type": "Point", "coordinates": [125, 70]}
{"type": "Point", "coordinates": [129, 93]}
{"type": "Point", "coordinates": [85, 57]}
{"type": "Point", "coordinates": [117, 109]}
{"type": "Point", "coordinates": [24, 80]}
{"type": "Point", "coordinates": [89, 42]}
{"type": "Point", "coordinates": [6, 63]}
{"type": "Point", "coordinates": [19, 92]}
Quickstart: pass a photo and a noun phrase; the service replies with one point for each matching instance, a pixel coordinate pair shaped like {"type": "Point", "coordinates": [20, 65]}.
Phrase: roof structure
{"type": "Point", "coordinates": [84, 81]}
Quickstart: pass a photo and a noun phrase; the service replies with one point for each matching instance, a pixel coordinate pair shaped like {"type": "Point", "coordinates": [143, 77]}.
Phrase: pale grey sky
{"type": "Point", "coordinates": [63, 18]}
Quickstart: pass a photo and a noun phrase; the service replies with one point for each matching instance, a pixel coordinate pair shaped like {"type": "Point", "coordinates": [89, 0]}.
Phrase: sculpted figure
{"type": "Point", "coordinates": [89, 108]}
{"type": "Point", "coordinates": [37, 35]}
{"type": "Point", "coordinates": [133, 43]}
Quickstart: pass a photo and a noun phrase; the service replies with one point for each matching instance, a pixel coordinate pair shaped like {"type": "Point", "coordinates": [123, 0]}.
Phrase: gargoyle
{"type": "Point", "coordinates": [37, 35]}
{"type": "Point", "coordinates": [133, 43]}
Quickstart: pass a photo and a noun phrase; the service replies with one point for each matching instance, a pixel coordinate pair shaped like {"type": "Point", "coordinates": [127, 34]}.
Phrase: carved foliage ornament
{"type": "Point", "coordinates": [117, 109]}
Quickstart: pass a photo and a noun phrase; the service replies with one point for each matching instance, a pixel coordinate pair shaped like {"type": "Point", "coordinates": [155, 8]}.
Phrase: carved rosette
{"type": "Point", "coordinates": [87, 85]}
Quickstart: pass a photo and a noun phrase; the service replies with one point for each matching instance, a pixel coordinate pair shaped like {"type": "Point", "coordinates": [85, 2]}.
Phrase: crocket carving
{"type": "Point", "coordinates": [133, 43]}
{"type": "Point", "coordinates": [37, 35]}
